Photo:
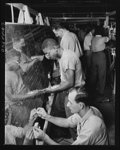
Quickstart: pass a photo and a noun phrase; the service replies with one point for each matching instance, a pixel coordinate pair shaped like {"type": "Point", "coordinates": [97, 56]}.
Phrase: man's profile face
{"type": "Point", "coordinates": [50, 53]}
{"type": "Point", "coordinates": [72, 104]}
{"type": "Point", "coordinates": [57, 32]}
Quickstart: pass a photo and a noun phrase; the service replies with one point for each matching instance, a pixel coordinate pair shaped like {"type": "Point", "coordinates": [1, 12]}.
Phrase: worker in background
{"type": "Point", "coordinates": [70, 72]}
{"type": "Point", "coordinates": [91, 129]}
{"type": "Point", "coordinates": [88, 52]}
{"type": "Point", "coordinates": [69, 40]}
{"type": "Point", "coordinates": [98, 65]}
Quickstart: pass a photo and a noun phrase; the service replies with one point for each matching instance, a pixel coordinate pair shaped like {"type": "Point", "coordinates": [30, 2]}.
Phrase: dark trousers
{"type": "Point", "coordinates": [59, 109]}
{"type": "Point", "coordinates": [98, 73]}
{"type": "Point", "coordinates": [88, 56]}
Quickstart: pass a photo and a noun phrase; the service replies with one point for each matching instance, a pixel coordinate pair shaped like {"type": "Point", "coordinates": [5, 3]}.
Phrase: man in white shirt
{"type": "Point", "coordinates": [70, 66]}
{"type": "Point", "coordinates": [68, 40]}
{"type": "Point", "coordinates": [98, 64]}
{"type": "Point", "coordinates": [88, 52]}
{"type": "Point", "coordinates": [87, 46]}
{"type": "Point", "coordinates": [70, 71]}
{"type": "Point", "coordinates": [91, 129]}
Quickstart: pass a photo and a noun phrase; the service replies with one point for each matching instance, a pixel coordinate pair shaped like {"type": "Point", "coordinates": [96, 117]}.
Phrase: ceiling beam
{"type": "Point", "coordinates": [21, 5]}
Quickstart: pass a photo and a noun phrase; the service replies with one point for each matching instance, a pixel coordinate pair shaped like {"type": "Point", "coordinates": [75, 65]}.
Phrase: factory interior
{"type": "Point", "coordinates": [34, 22]}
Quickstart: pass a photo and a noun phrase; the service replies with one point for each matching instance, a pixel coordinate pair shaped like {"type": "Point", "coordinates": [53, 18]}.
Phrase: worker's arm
{"type": "Point", "coordinates": [64, 85]}
{"type": "Point", "coordinates": [61, 122]}
{"type": "Point", "coordinates": [32, 118]}
{"type": "Point", "coordinates": [40, 135]}
{"type": "Point", "coordinates": [40, 58]}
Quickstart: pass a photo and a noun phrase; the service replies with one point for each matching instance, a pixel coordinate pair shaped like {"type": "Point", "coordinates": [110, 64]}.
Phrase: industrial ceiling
{"type": "Point", "coordinates": [58, 8]}
{"type": "Point", "coordinates": [74, 10]}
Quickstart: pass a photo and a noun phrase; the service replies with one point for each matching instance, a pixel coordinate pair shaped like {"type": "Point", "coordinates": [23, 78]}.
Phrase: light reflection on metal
{"type": "Point", "coordinates": [11, 5]}
{"type": "Point", "coordinates": [77, 18]}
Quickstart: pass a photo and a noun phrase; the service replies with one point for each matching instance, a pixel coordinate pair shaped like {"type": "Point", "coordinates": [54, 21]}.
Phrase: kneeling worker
{"type": "Point", "coordinates": [91, 129]}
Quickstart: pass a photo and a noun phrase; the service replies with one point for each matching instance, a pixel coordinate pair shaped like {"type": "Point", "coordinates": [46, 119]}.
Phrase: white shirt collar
{"type": "Point", "coordinates": [87, 115]}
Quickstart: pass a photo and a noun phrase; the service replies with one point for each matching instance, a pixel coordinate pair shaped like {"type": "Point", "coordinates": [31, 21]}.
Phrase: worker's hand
{"type": "Point", "coordinates": [30, 134]}
{"type": "Point", "coordinates": [33, 114]}
{"type": "Point", "coordinates": [48, 90]}
{"type": "Point", "coordinates": [51, 89]}
{"type": "Point", "coordinates": [47, 56]}
{"type": "Point", "coordinates": [35, 60]}
{"type": "Point", "coordinates": [38, 133]}
{"type": "Point", "coordinates": [41, 112]}
{"type": "Point", "coordinates": [40, 57]}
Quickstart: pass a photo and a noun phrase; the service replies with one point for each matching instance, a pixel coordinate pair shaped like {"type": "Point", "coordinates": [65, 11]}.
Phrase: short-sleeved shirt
{"type": "Point", "coordinates": [71, 42]}
{"type": "Point", "coordinates": [98, 43]}
{"type": "Point", "coordinates": [87, 41]}
{"type": "Point", "coordinates": [91, 129]}
{"type": "Point", "coordinates": [13, 132]}
{"type": "Point", "coordinates": [69, 60]}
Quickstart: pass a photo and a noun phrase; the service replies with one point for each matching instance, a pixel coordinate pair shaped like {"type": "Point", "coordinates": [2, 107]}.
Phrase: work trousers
{"type": "Point", "coordinates": [98, 73]}
{"type": "Point", "coordinates": [58, 110]}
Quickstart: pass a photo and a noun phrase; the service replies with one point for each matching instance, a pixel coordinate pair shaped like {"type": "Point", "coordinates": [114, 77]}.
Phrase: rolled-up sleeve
{"type": "Point", "coordinates": [73, 120]}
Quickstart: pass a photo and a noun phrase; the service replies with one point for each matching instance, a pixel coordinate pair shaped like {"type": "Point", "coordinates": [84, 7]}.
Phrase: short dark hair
{"type": "Point", "coordinates": [90, 27]}
{"type": "Point", "coordinates": [82, 98]}
{"type": "Point", "coordinates": [99, 30]}
{"type": "Point", "coordinates": [49, 42]}
{"type": "Point", "coordinates": [59, 25]}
